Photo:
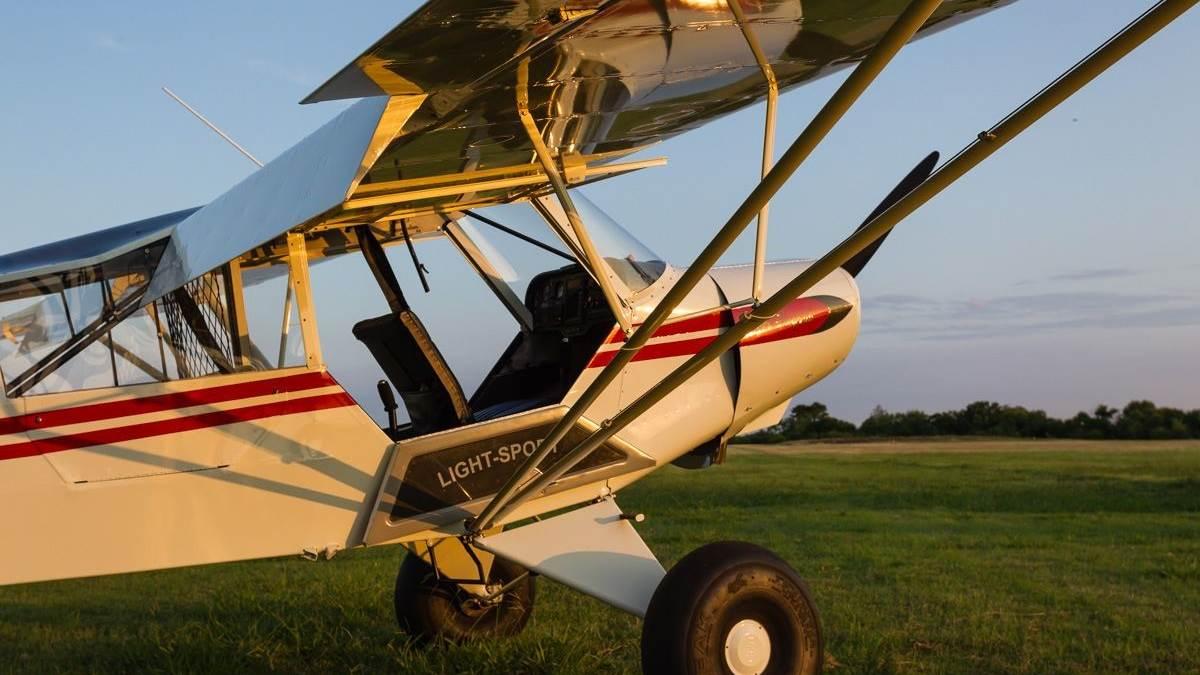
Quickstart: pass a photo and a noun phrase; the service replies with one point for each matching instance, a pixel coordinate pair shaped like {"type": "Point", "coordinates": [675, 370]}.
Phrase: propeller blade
{"type": "Point", "coordinates": [910, 182]}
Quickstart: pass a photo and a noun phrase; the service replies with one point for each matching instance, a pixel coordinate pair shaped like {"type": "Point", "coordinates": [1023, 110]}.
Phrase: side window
{"type": "Point", "coordinates": [86, 329]}
{"type": "Point", "coordinates": [57, 330]}
{"type": "Point", "coordinates": [272, 318]}
{"type": "Point", "coordinates": [197, 328]}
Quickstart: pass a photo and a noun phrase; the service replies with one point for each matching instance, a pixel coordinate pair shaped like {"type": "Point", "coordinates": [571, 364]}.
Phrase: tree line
{"type": "Point", "coordinates": [1137, 420]}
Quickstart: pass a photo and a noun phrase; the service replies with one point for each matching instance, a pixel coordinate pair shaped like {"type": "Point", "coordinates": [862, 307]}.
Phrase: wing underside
{"type": "Point", "coordinates": [605, 79]}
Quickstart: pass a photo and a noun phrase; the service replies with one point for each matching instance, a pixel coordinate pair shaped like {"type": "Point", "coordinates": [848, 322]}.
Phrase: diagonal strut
{"type": "Point", "coordinates": [905, 26]}
{"type": "Point", "coordinates": [988, 142]}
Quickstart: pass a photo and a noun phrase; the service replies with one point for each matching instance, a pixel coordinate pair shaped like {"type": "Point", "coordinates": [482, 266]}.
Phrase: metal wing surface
{"type": "Point", "coordinates": [605, 78]}
{"type": "Point", "coordinates": [86, 250]}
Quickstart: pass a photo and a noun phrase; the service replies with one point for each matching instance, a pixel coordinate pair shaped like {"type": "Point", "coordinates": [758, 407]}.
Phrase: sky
{"type": "Point", "coordinates": [1061, 274]}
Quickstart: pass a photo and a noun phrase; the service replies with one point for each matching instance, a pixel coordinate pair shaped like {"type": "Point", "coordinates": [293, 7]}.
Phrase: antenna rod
{"type": "Point", "coordinates": [212, 126]}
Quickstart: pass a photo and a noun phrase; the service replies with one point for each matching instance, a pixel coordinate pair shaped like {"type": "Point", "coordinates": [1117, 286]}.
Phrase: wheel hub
{"type": "Point", "coordinates": [747, 648]}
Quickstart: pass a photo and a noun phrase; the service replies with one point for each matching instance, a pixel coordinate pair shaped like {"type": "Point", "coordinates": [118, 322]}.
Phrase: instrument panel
{"type": "Point", "coordinates": [567, 300]}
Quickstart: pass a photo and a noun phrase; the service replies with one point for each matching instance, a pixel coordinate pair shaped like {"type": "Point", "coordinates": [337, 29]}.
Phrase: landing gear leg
{"type": "Point", "coordinates": [732, 608]}
{"type": "Point", "coordinates": [430, 609]}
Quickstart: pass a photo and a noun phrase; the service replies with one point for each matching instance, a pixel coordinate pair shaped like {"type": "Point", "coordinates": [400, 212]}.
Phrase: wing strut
{"type": "Point", "coordinates": [768, 153]}
{"type": "Point", "coordinates": [864, 74]}
{"type": "Point", "coordinates": [987, 143]}
{"type": "Point", "coordinates": [600, 269]}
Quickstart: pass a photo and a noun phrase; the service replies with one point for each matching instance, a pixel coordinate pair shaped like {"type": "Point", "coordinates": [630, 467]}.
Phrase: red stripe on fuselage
{"type": "Point", "coordinates": [661, 350]}
{"type": "Point", "coordinates": [720, 318]}
{"type": "Point", "coordinates": [801, 317]}
{"type": "Point", "coordinates": [173, 426]}
{"type": "Point", "coordinates": [151, 404]}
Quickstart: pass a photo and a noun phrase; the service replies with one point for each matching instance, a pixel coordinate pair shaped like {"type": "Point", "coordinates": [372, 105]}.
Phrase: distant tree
{"type": "Point", "coordinates": [803, 421]}
{"type": "Point", "coordinates": [980, 418]}
{"type": "Point", "coordinates": [768, 435]}
{"type": "Point", "coordinates": [879, 423]}
{"type": "Point", "coordinates": [947, 423]}
{"type": "Point", "coordinates": [911, 423]}
{"type": "Point", "coordinates": [1137, 420]}
{"type": "Point", "coordinates": [1103, 422]}
{"type": "Point", "coordinates": [1192, 419]}
{"type": "Point", "coordinates": [1105, 414]}
{"type": "Point", "coordinates": [1085, 426]}
{"type": "Point", "coordinates": [814, 421]}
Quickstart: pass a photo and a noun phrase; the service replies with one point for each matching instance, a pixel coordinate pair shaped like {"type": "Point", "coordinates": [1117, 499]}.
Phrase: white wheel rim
{"type": "Point", "coordinates": [747, 648]}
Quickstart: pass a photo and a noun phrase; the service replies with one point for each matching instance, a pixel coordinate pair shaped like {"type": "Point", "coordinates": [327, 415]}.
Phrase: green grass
{"type": "Point", "coordinates": [966, 558]}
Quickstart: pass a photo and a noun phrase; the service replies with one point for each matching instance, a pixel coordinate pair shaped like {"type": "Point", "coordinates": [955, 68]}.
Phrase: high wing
{"type": "Point", "coordinates": [605, 78]}
{"type": "Point", "coordinates": [438, 129]}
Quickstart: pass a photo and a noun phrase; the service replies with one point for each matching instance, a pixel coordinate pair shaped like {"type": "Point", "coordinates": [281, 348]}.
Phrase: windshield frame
{"type": "Point", "coordinates": [609, 230]}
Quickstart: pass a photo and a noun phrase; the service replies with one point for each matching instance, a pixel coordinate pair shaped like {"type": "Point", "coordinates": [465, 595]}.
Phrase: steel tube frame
{"type": "Point", "coordinates": [302, 290]}
{"type": "Point", "coordinates": [564, 236]}
{"type": "Point", "coordinates": [768, 153]}
{"type": "Point", "coordinates": [531, 179]}
{"type": "Point", "coordinates": [600, 268]}
{"type": "Point", "coordinates": [905, 26]}
{"type": "Point", "coordinates": [987, 143]}
{"type": "Point", "coordinates": [519, 235]}
{"type": "Point", "coordinates": [287, 321]}
{"type": "Point", "coordinates": [491, 278]}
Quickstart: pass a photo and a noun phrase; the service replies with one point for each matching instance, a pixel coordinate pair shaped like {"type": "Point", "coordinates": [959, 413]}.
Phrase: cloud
{"type": "Point", "coordinates": [1055, 303]}
{"type": "Point", "coordinates": [1093, 274]}
{"type": "Point", "coordinates": [109, 42]}
{"type": "Point", "coordinates": [915, 317]}
{"type": "Point", "coordinates": [1155, 318]}
{"type": "Point", "coordinates": [288, 74]}
{"type": "Point", "coordinates": [902, 301]}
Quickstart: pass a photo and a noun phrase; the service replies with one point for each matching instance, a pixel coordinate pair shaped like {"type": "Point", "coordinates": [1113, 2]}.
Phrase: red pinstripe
{"type": "Point", "coordinates": [151, 404]}
{"type": "Point", "coordinates": [173, 426]}
{"type": "Point", "coordinates": [720, 318]}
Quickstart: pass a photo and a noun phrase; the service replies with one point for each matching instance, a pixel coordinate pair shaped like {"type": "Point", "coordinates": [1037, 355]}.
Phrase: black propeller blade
{"type": "Point", "coordinates": [911, 181]}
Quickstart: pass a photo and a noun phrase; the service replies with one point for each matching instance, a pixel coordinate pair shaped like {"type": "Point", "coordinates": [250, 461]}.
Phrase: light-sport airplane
{"type": "Point", "coordinates": [159, 409]}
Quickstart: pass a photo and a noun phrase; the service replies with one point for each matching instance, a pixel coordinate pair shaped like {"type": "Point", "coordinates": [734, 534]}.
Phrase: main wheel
{"type": "Point", "coordinates": [430, 609]}
{"type": "Point", "coordinates": [731, 608]}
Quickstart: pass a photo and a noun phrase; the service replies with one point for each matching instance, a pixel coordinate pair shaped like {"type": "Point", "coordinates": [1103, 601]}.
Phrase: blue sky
{"type": "Point", "coordinates": [1061, 274]}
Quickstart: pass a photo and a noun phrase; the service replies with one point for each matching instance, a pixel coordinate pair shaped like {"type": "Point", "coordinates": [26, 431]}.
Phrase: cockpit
{"type": "Point", "coordinates": [92, 326]}
{"type": "Point", "coordinates": [562, 313]}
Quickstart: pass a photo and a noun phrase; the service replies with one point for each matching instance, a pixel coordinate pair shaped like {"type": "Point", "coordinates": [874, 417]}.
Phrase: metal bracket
{"type": "Point", "coordinates": [327, 552]}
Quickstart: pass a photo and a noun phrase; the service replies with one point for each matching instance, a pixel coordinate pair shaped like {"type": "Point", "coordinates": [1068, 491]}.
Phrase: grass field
{"type": "Point", "coordinates": [948, 557]}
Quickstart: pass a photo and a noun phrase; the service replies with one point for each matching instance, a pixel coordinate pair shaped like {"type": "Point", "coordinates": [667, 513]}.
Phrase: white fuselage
{"type": "Point", "coordinates": [250, 465]}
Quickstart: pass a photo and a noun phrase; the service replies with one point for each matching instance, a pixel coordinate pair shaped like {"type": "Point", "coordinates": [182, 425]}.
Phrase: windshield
{"type": "Point", "coordinates": [497, 233]}
{"type": "Point", "coordinates": [506, 256]}
{"type": "Point", "coordinates": [634, 264]}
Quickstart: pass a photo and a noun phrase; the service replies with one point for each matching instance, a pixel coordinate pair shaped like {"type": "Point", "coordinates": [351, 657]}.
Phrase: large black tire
{"type": "Point", "coordinates": [729, 596]}
{"type": "Point", "coordinates": [430, 610]}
